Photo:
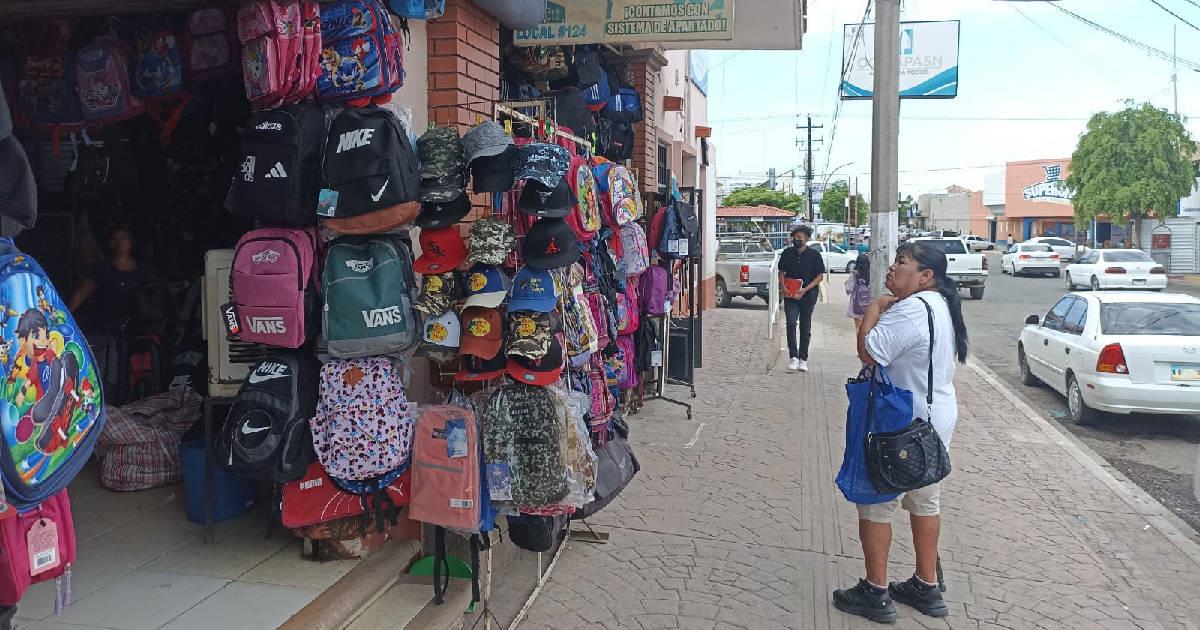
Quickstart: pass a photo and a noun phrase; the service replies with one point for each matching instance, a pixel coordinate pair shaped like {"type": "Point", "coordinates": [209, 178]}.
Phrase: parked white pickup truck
{"type": "Point", "coordinates": [968, 269]}
{"type": "Point", "coordinates": [743, 269]}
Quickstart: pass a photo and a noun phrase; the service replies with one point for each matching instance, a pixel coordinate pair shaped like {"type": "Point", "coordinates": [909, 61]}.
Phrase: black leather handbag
{"type": "Point", "coordinates": [913, 457]}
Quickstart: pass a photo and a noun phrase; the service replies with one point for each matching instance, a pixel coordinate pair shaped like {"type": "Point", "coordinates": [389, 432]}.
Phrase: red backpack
{"type": "Point", "coordinates": [315, 499]}
{"type": "Point", "coordinates": [37, 546]}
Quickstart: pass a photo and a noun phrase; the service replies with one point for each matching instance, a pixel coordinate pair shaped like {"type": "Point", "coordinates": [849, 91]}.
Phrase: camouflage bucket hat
{"type": "Point", "coordinates": [441, 152]}
{"type": "Point", "coordinates": [438, 293]}
{"type": "Point", "coordinates": [490, 241]}
{"type": "Point", "coordinates": [543, 163]}
{"type": "Point", "coordinates": [529, 334]}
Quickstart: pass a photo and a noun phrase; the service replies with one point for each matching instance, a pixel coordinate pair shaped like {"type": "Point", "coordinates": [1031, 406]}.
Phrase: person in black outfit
{"type": "Point", "coordinates": [800, 272]}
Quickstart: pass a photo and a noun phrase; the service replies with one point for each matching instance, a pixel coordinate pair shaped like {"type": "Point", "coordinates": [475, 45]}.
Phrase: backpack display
{"type": "Point", "coordinates": [521, 447]}
{"type": "Point", "coordinates": [585, 217]}
{"type": "Point", "coordinates": [102, 78]}
{"type": "Point", "coordinates": [418, 9]}
{"type": "Point", "coordinates": [369, 291]}
{"type": "Point", "coordinates": [27, 558]}
{"type": "Point", "coordinates": [363, 427]}
{"type": "Point", "coordinates": [273, 282]}
{"type": "Point", "coordinates": [279, 172]}
{"type": "Point", "coordinates": [655, 290]}
{"type": "Point", "coordinates": [446, 468]}
{"type": "Point", "coordinates": [146, 374]}
{"type": "Point", "coordinates": [624, 106]}
{"type": "Point", "coordinates": [314, 498]}
{"type": "Point", "coordinates": [615, 468]}
{"type": "Point", "coordinates": [47, 87]}
{"type": "Point", "coordinates": [369, 163]}
{"type": "Point", "coordinates": [629, 374]}
{"type": "Point", "coordinates": [619, 193]}
{"type": "Point", "coordinates": [266, 436]}
{"type": "Point", "coordinates": [209, 44]}
{"type": "Point", "coordinates": [361, 51]}
{"type": "Point", "coordinates": [272, 37]}
{"type": "Point", "coordinates": [628, 309]}
{"type": "Point", "coordinates": [52, 395]}
{"type": "Point", "coordinates": [157, 60]}
{"type": "Point", "coordinates": [598, 94]}
{"type": "Point", "coordinates": [634, 248]}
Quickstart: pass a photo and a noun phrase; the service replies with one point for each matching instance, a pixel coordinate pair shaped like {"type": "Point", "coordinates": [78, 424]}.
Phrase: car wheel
{"type": "Point", "coordinates": [1027, 377]}
{"type": "Point", "coordinates": [850, 267]}
{"type": "Point", "coordinates": [1013, 272]}
{"type": "Point", "coordinates": [723, 298]}
{"type": "Point", "coordinates": [1070, 285]}
{"type": "Point", "coordinates": [1095, 284]}
{"type": "Point", "coordinates": [991, 248]}
{"type": "Point", "coordinates": [1081, 414]}
{"type": "Point", "coordinates": [977, 293]}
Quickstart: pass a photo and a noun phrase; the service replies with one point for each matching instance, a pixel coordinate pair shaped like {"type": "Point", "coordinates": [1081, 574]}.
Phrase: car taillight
{"type": "Point", "coordinates": [1112, 360]}
{"type": "Point", "coordinates": [1116, 270]}
{"type": "Point", "coordinates": [745, 275]}
{"type": "Point", "coordinates": [1054, 256]}
{"type": "Point", "coordinates": [985, 263]}
{"type": "Point", "coordinates": [1158, 270]}
{"type": "Point", "coordinates": [1025, 256]}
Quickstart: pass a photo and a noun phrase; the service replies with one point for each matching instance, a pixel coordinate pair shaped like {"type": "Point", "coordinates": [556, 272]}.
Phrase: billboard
{"type": "Point", "coordinates": [629, 21]}
{"type": "Point", "coordinates": [1190, 206]}
{"type": "Point", "coordinates": [928, 60]}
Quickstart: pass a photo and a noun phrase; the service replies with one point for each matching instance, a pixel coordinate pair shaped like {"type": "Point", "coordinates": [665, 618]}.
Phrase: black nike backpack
{"type": "Point", "coordinates": [278, 175]}
{"type": "Point", "coordinates": [370, 164]}
{"type": "Point", "coordinates": [266, 435]}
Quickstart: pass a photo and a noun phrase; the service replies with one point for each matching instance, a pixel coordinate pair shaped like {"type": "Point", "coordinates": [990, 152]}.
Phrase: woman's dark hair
{"type": "Point", "coordinates": [934, 260]}
{"type": "Point", "coordinates": [803, 228]}
{"type": "Point", "coordinates": [862, 269]}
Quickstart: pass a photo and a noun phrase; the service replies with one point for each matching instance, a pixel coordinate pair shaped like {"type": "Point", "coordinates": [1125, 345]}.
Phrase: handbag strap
{"type": "Point", "coordinates": [929, 377]}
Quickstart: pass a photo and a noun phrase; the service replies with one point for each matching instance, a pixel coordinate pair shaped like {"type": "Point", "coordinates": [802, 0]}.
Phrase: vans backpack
{"type": "Point", "coordinates": [361, 52]}
{"type": "Point", "coordinates": [51, 394]}
{"type": "Point", "coordinates": [208, 46]}
{"type": "Point", "coordinates": [273, 283]}
{"type": "Point", "coordinates": [446, 468]}
{"type": "Point", "coordinates": [369, 163]}
{"type": "Point", "coordinates": [314, 498]}
{"type": "Point", "coordinates": [418, 9]}
{"type": "Point", "coordinates": [102, 78]}
{"type": "Point", "coordinates": [266, 435]}
{"type": "Point", "coordinates": [279, 171]}
{"type": "Point", "coordinates": [655, 289]}
{"type": "Point", "coordinates": [369, 294]}
{"type": "Point", "coordinates": [157, 60]}
{"type": "Point", "coordinates": [521, 447]}
{"type": "Point", "coordinates": [634, 248]}
{"type": "Point", "coordinates": [37, 546]}
{"type": "Point", "coordinates": [363, 427]}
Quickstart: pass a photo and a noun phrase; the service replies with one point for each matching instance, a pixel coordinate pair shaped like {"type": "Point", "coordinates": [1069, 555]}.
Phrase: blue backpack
{"type": "Point", "coordinates": [597, 96]}
{"type": "Point", "coordinates": [418, 9]}
{"type": "Point", "coordinates": [624, 106]}
{"type": "Point", "coordinates": [51, 405]}
{"type": "Point", "coordinates": [672, 232]}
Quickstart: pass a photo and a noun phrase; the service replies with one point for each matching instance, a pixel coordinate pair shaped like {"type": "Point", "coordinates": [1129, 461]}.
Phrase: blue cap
{"type": "Point", "coordinates": [487, 286]}
{"type": "Point", "coordinates": [533, 290]}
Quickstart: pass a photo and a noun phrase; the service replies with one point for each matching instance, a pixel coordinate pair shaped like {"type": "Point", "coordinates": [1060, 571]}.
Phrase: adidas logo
{"type": "Point", "coordinates": [277, 171]}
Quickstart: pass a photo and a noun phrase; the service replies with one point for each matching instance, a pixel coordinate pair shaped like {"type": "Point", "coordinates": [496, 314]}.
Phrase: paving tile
{"type": "Point", "coordinates": [142, 600]}
{"type": "Point", "coordinates": [287, 568]}
{"type": "Point", "coordinates": [244, 606]}
{"type": "Point", "coordinates": [395, 608]}
{"type": "Point", "coordinates": [54, 625]}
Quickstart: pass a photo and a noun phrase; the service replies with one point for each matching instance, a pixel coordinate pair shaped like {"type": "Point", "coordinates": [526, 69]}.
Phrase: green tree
{"type": "Point", "coordinates": [906, 204]}
{"type": "Point", "coordinates": [1130, 164]}
{"type": "Point", "coordinates": [762, 196]}
{"type": "Point", "coordinates": [833, 205]}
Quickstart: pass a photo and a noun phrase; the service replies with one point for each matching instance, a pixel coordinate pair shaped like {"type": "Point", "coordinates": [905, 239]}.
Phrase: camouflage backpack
{"type": "Point", "coordinates": [521, 447]}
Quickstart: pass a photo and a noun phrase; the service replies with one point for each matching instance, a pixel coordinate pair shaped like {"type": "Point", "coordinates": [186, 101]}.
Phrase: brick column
{"type": "Point", "coordinates": [464, 65]}
{"type": "Point", "coordinates": [646, 64]}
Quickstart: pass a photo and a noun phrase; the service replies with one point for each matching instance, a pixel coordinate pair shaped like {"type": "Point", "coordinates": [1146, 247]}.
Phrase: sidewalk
{"type": "Point", "coordinates": [734, 520]}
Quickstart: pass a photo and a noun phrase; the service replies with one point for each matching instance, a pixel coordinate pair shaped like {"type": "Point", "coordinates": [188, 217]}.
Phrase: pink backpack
{"type": "Point", "coordinates": [445, 468]}
{"type": "Point", "coordinates": [634, 249]}
{"type": "Point", "coordinates": [50, 556]}
{"type": "Point", "coordinates": [102, 78]}
{"type": "Point", "coordinates": [629, 372]}
{"type": "Point", "coordinates": [209, 44]}
{"type": "Point", "coordinates": [363, 428]}
{"type": "Point", "coordinates": [274, 282]}
{"type": "Point", "coordinates": [272, 35]}
{"type": "Point", "coordinates": [655, 289]}
{"type": "Point", "coordinates": [628, 310]}
{"type": "Point", "coordinates": [603, 403]}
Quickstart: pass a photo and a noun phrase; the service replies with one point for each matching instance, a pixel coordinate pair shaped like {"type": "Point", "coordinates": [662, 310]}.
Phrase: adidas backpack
{"type": "Point", "coordinates": [369, 163]}
{"type": "Point", "coordinates": [279, 172]}
{"type": "Point", "coordinates": [446, 468]}
{"type": "Point", "coordinates": [369, 291]}
{"type": "Point", "coordinates": [363, 428]}
{"type": "Point", "coordinates": [521, 447]}
{"type": "Point", "coordinates": [273, 283]}
{"type": "Point", "coordinates": [266, 435]}
{"type": "Point", "coordinates": [52, 394]}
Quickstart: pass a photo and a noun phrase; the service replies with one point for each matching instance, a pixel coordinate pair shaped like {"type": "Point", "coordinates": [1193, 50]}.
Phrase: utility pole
{"type": "Point", "coordinates": [885, 142]}
{"type": "Point", "coordinates": [808, 166]}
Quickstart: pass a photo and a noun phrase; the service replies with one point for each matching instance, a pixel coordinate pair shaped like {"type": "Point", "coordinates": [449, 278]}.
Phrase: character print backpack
{"type": "Point", "coordinates": [361, 54]}
{"type": "Point", "coordinates": [363, 428]}
{"type": "Point", "coordinates": [209, 44]}
{"type": "Point", "coordinates": [634, 249]}
{"type": "Point", "coordinates": [418, 9]}
{"type": "Point", "coordinates": [274, 280]}
{"type": "Point", "coordinates": [102, 79]}
{"type": "Point", "coordinates": [628, 309]}
{"type": "Point", "coordinates": [47, 86]}
{"type": "Point", "coordinates": [619, 193]}
{"type": "Point", "coordinates": [278, 177]}
{"type": "Point", "coordinates": [157, 60]}
{"type": "Point", "coordinates": [369, 163]}
{"type": "Point", "coordinates": [369, 291]}
{"type": "Point", "coordinates": [523, 461]}
{"type": "Point", "coordinates": [51, 405]}
{"type": "Point", "coordinates": [585, 217]}
{"type": "Point", "coordinates": [272, 36]}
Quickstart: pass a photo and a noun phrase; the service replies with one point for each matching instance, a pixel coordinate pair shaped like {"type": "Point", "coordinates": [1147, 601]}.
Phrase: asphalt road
{"type": "Point", "coordinates": [1156, 452]}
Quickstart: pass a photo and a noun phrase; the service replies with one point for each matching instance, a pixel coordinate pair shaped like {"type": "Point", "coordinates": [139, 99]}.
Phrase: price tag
{"type": "Point", "coordinates": [656, 358]}
{"type": "Point", "coordinates": [499, 480]}
{"type": "Point", "coordinates": [672, 246]}
{"type": "Point", "coordinates": [42, 541]}
{"type": "Point", "coordinates": [229, 316]}
{"type": "Point", "coordinates": [682, 247]}
{"type": "Point", "coordinates": [456, 438]}
{"type": "Point", "coordinates": [327, 201]}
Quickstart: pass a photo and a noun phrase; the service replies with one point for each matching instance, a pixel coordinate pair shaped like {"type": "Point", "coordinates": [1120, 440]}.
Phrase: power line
{"type": "Point", "coordinates": [1040, 27]}
{"type": "Point", "coordinates": [837, 108]}
{"type": "Point", "coordinates": [1193, 3]}
{"type": "Point", "coordinates": [1161, 54]}
{"type": "Point", "coordinates": [1176, 15]}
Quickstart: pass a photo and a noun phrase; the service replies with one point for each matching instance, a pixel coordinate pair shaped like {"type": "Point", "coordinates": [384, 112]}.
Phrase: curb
{"type": "Point", "coordinates": [1173, 528]}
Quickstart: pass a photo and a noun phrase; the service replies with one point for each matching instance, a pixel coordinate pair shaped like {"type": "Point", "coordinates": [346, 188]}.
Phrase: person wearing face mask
{"type": "Point", "coordinates": [895, 334]}
{"type": "Point", "coordinates": [801, 270]}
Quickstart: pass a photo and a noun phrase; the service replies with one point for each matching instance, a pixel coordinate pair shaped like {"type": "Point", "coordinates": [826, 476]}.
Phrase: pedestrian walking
{"type": "Point", "coordinates": [858, 287]}
{"type": "Point", "coordinates": [895, 334]}
{"type": "Point", "coordinates": [1011, 242]}
{"type": "Point", "coordinates": [801, 270]}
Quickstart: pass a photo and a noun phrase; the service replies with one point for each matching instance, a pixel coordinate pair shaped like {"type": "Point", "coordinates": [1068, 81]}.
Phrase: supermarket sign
{"type": "Point", "coordinates": [629, 21]}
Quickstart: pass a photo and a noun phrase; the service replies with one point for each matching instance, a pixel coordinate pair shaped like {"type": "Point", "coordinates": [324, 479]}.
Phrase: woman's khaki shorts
{"type": "Point", "coordinates": [921, 502]}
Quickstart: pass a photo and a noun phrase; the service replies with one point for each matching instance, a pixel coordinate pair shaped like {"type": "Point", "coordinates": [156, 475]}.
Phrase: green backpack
{"type": "Point", "coordinates": [522, 455]}
{"type": "Point", "coordinates": [369, 290]}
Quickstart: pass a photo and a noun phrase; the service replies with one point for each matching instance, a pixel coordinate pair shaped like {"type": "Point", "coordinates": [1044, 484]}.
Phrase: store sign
{"type": "Point", "coordinates": [1190, 206]}
{"type": "Point", "coordinates": [1053, 189]}
{"type": "Point", "coordinates": [628, 21]}
{"type": "Point", "coordinates": [928, 60]}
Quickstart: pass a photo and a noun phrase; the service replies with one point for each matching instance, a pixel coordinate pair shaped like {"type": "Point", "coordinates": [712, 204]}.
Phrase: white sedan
{"type": "Point", "coordinates": [1030, 258]}
{"type": "Point", "coordinates": [1065, 249]}
{"type": "Point", "coordinates": [836, 258]}
{"type": "Point", "coordinates": [978, 243]}
{"type": "Point", "coordinates": [1121, 352]}
{"type": "Point", "coordinates": [1116, 269]}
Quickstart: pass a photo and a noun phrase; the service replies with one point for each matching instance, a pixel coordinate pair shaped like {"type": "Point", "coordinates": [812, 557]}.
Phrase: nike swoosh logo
{"type": "Point", "coordinates": [382, 188]}
{"type": "Point", "coordinates": [255, 379]}
{"type": "Point", "coordinates": [246, 430]}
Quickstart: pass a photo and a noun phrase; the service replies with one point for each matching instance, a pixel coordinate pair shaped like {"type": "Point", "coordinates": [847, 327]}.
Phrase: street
{"type": "Point", "coordinates": [1156, 452]}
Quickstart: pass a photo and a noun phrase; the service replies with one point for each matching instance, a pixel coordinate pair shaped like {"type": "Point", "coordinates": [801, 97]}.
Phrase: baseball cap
{"type": "Point", "coordinates": [441, 250]}
{"type": "Point", "coordinates": [482, 332]}
{"type": "Point", "coordinates": [487, 286]}
{"type": "Point", "coordinates": [441, 152]}
{"type": "Point", "coordinates": [539, 201]}
{"type": "Point", "coordinates": [533, 290]}
{"type": "Point", "coordinates": [544, 371]}
{"type": "Point", "coordinates": [495, 173]}
{"type": "Point", "coordinates": [444, 213]}
{"type": "Point", "coordinates": [550, 244]}
{"type": "Point", "coordinates": [543, 163]}
{"type": "Point", "coordinates": [490, 241]}
{"type": "Point", "coordinates": [438, 292]}
{"type": "Point", "coordinates": [529, 334]}
{"type": "Point", "coordinates": [441, 339]}
{"type": "Point", "coordinates": [485, 140]}
{"type": "Point", "coordinates": [474, 368]}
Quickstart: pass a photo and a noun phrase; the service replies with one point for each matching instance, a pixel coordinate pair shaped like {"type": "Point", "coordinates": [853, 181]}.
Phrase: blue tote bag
{"type": "Point", "coordinates": [873, 398]}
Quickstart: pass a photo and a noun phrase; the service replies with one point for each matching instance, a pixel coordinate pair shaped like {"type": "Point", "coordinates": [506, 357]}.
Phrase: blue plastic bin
{"type": "Point", "coordinates": [232, 496]}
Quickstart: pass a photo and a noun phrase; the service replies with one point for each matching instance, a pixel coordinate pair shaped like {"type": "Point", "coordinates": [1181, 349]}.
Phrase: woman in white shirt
{"type": "Point", "coordinates": [895, 334]}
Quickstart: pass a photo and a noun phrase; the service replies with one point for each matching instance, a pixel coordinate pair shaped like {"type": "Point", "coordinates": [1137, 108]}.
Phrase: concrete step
{"type": "Point", "coordinates": [409, 604]}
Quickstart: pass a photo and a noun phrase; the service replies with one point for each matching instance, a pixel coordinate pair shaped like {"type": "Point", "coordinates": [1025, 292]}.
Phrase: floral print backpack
{"type": "Point", "coordinates": [364, 426]}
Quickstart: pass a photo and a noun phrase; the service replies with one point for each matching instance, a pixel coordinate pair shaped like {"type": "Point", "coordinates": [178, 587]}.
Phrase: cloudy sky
{"type": "Point", "coordinates": [1029, 78]}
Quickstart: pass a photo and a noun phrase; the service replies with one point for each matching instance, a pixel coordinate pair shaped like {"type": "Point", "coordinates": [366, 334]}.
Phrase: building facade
{"type": "Point", "coordinates": [947, 211]}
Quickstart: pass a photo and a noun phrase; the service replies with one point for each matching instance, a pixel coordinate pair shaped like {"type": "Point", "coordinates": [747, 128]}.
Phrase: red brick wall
{"type": "Point", "coordinates": [464, 65]}
{"type": "Point", "coordinates": [645, 133]}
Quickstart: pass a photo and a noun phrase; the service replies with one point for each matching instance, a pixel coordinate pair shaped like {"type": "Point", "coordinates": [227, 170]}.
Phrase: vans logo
{"type": "Point", "coordinates": [312, 483]}
{"type": "Point", "coordinates": [268, 371]}
{"type": "Point", "coordinates": [354, 139]}
{"type": "Point", "coordinates": [267, 325]}
{"type": "Point", "coordinates": [360, 266]}
{"type": "Point", "coordinates": [269, 126]}
{"type": "Point", "coordinates": [265, 256]}
{"type": "Point", "coordinates": [389, 316]}
{"type": "Point", "coordinates": [229, 312]}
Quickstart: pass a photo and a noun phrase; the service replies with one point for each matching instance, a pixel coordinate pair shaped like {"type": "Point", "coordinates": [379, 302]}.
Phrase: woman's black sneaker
{"type": "Point", "coordinates": [867, 601]}
{"type": "Point", "coordinates": [924, 597]}
{"type": "Point", "coordinates": [941, 576]}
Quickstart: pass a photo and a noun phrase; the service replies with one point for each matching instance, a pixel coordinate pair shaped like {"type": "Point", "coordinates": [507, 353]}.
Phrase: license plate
{"type": "Point", "coordinates": [1137, 282]}
{"type": "Point", "coordinates": [1185, 372]}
